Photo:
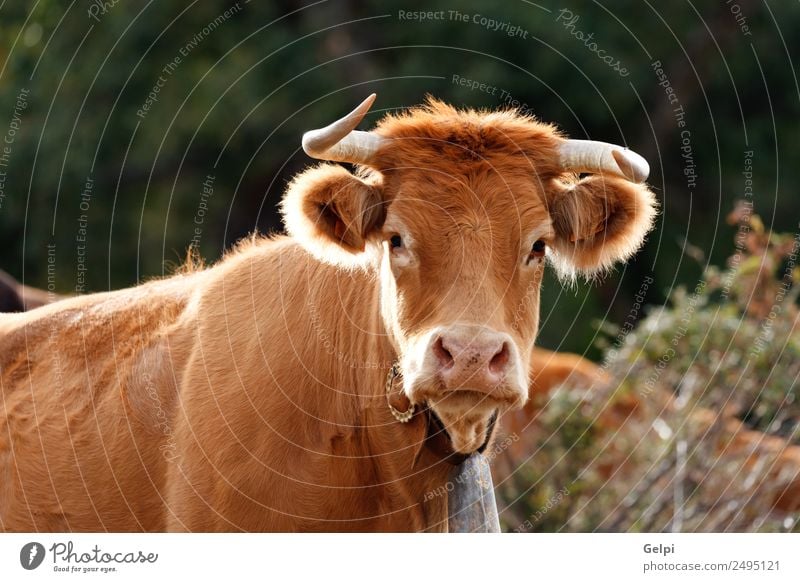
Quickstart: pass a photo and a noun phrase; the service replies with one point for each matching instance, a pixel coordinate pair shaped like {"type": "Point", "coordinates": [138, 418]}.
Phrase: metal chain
{"type": "Point", "coordinates": [403, 417]}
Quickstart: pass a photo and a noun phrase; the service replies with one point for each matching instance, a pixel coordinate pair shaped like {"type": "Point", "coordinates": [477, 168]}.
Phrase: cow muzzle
{"type": "Point", "coordinates": [465, 373]}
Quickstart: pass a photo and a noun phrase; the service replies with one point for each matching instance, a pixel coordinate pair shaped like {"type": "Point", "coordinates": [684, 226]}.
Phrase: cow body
{"type": "Point", "coordinates": [77, 451]}
{"type": "Point", "coordinates": [177, 425]}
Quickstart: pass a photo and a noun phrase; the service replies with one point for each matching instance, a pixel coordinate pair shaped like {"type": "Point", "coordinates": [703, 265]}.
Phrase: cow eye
{"type": "Point", "coordinates": [537, 250]}
{"type": "Point", "coordinates": [396, 241]}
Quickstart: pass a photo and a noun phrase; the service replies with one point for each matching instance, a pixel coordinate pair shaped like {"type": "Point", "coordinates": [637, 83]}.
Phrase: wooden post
{"type": "Point", "coordinates": [470, 501]}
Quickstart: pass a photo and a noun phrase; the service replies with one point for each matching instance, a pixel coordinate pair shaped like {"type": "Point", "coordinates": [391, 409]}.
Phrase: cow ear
{"type": "Point", "coordinates": [333, 213]}
{"type": "Point", "coordinates": [598, 221]}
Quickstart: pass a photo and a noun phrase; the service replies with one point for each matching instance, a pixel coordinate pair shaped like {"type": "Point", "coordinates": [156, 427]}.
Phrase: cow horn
{"type": "Point", "coordinates": [339, 142]}
{"type": "Point", "coordinates": [578, 155]}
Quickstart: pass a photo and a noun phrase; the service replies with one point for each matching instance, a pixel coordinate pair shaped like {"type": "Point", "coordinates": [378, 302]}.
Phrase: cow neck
{"type": "Point", "coordinates": [437, 440]}
{"type": "Point", "coordinates": [360, 296]}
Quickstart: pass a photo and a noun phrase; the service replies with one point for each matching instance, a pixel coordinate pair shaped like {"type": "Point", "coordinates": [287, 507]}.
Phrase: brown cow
{"type": "Point", "coordinates": [254, 395]}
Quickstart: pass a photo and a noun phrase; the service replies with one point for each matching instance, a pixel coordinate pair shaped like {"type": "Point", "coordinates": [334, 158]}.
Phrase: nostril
{"type": "Point", "coordinates": [499, 361]}
{"type": "Point", "coordinates": [442, 354]}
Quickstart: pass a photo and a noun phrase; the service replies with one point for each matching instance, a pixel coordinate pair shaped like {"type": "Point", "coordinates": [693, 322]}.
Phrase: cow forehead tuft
{"type": "Point", "coordinates": [464, 134]}
{"type": "Point", "coordinates": [438, 135]}
{"type": "Point", "coordinates": [478, 189]}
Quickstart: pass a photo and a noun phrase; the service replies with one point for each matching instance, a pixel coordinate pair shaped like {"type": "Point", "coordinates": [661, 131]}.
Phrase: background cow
{"type": "Point", "coordinates": [252, 395]}
{"type": "Point", "coordinates": [15, 296]}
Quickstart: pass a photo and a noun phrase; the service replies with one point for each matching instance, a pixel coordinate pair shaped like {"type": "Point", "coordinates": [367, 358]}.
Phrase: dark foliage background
{"type": "Point", "coordinates": [236, 106]}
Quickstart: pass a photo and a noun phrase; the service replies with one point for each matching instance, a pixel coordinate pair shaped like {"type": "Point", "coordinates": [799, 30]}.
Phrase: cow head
{"type": "Point", "coordinates": [457, 212]}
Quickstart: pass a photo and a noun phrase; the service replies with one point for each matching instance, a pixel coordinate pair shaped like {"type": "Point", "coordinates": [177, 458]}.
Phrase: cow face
{"type": "Point", "coordinates": [457, 214]}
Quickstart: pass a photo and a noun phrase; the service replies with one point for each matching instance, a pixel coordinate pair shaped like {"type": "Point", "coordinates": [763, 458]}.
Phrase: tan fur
{"type": "Point", "coordinates": [599, 220]}
{"type": "Point", "coordinates": [249, 395]}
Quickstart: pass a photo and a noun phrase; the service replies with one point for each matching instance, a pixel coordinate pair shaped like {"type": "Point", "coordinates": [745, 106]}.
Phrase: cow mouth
{"type": "Point", "coordinates": [462, 396]}
{"type": "Point", "coordinates": [466, 416]}
{"type": "Point", "coordinates": [446, 438]}
{"type": "Point", "coordinates": [462, 419]}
